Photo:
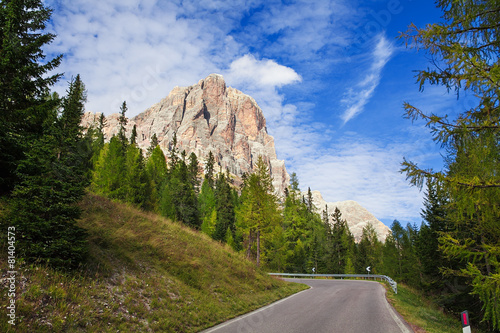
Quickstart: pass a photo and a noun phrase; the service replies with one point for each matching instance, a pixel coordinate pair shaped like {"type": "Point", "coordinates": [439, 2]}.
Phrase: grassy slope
{"type": "Point", "coordinates": [145, 273]}
{"type": "Point", "coordinates": [422, 314]}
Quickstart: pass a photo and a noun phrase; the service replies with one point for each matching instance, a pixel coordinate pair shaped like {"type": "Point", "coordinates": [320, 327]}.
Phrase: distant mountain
{"type": "Point", "coordinates": [357, 216]}
{"type": "Point", "coordinates": [208, 116]}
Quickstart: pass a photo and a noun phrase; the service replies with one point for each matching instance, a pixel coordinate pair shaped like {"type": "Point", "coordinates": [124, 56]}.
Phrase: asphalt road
{"type": "Point", "coordinates": [334, 306]}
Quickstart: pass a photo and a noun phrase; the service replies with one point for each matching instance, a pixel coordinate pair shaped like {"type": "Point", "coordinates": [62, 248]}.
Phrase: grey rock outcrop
{"type": "Point", "coordinates": [208, 116]}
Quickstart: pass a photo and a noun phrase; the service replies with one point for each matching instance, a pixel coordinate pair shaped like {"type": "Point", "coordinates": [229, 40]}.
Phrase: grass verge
{"type": "Point", "coordinates": [144, 274]}
{"type": "Point", "coordinates": [421, 313]}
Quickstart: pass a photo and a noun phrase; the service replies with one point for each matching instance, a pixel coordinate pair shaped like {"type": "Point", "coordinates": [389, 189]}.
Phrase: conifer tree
{"type": "Point", "coordinates": [339, 243]}
{"type": "Point", "coordinates": [209, 169]}
{"type": "Point", "coordinates": [258, 212]}
{"type": "Point", "coordinates": [137, 183]}
{"type": "Point", "coordinates": [25, 81]}
{"type": "Point", "coordinates": [208, 212]}
{"type": "Point", "coordinates": [309, 200]}
{"type": "Point", "coordinates": [156, 169]}
{"type": "Point", "coordinates": [53, 178]}
{"type": "Point", "coordinates": [152, 144]}
{"type": "Point", "coordinates": [368, 251]}
{"type": "Point", "coordinates": [193, 170]}
{"type": "Point", "coordinates": [427, 243]}
{"type": "Point", "coordinates": [178, 199]}
{"type": "Point", "coordinates": [122, 120]}
{"type": "Point", "coordinates": [224, 207]}
{"type": "Point", "coordinates": [133, 136]}
{"type": "Point", "coordinates": [110, 170]}
{"type": "Point", "coordinates": [465, 48]}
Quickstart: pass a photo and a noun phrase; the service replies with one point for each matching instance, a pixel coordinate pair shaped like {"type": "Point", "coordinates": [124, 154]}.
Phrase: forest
{"type": "Point", "coordinates": [48, 161]}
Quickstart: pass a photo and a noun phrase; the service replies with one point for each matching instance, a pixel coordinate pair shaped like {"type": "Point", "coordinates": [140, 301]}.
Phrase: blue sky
{"type": "Point", "coordinates": [330, 76]}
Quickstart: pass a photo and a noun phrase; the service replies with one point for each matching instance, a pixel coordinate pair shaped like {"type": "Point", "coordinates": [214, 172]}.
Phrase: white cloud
{"type": "Point", "coordinates": [134, 52]}
{"type": "Point", "coordinates": [358, 96]}
{"type": "Point", "coordinates": [367, 172]}
{"type": "Point", "coordinates": [265, 74]}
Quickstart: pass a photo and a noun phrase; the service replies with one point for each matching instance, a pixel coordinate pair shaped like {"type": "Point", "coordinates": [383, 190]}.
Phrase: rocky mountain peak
{"type": "Point", "coordinates": [208, 116]}
{"type": "Point", "coordinates": [357, 216]}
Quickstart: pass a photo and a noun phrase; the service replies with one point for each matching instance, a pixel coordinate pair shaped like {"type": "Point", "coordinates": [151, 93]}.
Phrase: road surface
{"type": "Point", "coordinates": [333, 306]}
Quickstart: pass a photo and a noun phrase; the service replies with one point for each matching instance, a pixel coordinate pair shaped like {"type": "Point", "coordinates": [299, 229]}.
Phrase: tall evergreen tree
{"type": "Point", "coordinates": [368, 251]}
{"type": "Point", "coordinates": [53, 181]}
{"type": "Point", "coordinates": [152, 144]}
{"type": "Point", "coordinates": [193, 171]}
{"type": "Point", "coordinates": [139, 189]}
{"type": "Point", "coordinates": [339, 244]}
{"type": "Point", "coordinates": [209, 169]}
{"type": "Point", "coordinates": [122, 121]}
{"type": "Point", "coordinates": [24, 83]}
{"type": "Point", "coordinates": [427, 244]}
{"type": "Point", "coordinates": [224, 207]}
{"type": "Point", "coordinates": [133, 136]}
{"type": "Point", "coordinates": [178, 198]}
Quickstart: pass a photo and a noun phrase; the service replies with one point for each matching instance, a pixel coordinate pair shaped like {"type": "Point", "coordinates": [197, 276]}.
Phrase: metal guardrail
{"type": "Point", "coordinates": [391, 282]}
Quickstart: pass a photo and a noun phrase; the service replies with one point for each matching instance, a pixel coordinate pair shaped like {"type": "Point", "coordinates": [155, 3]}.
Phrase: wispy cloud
{"type": "Point", "coordinates": [358, 96]}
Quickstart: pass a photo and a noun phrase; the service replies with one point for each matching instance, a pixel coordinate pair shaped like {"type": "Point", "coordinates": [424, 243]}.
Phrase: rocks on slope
{"type": "Point", "coordinates": [208, 116]}
{"type": "Point", "coordinates": [357, 216]}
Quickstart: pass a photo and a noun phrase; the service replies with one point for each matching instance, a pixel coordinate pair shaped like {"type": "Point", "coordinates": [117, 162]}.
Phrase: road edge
{"type": "Point", "coordinates": [230, 321]}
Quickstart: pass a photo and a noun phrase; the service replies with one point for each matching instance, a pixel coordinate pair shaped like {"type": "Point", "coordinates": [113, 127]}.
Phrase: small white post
{"type": "Point", "coordinates": [465, 322]}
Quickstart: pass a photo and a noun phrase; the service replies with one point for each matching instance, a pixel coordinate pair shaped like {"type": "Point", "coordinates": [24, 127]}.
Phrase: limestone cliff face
{"type": "Point", "coordinates": [208, 116]}
{"type": "Point", "coordinates": [357, 216]}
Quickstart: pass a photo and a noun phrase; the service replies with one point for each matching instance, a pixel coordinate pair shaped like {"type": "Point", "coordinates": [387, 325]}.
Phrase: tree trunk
{"type": "Point", "coordinates": [249, 248]}
{"type": "Point", "coordinates": [258, 248]}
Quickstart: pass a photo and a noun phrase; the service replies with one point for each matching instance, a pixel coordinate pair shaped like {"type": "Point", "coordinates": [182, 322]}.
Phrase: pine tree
{"type": "Point", "coordinates": [53, 179]}
{"type": "Point", "coordinates": [152, 144]}
{"type": "Point", "coordinates": [173, 157]}
{"type": "Point", "coordinates": [209, 169]}
{"type": "Point", "coordinates": [138, 187]}
{"type": "Point", "coordinates": [339, 244]}
{"type": "Point", "coordinates": [95, 135]}
{"type": "Point", "coordinates": [133, 136]}
{"type": "Point", "coordinates": [122, 120]}
{"type": "Point", "coordinates": [178, 199]}
{"type": "Point", "coordinates": [309, 200]}
{"type": "Point", "coordinates": [25, 81]}
{"type": "Point", "coordinates": [427, 244]}
{"type": "Point", "coordinates": [368, 251]}
{"type": "Point", "coordinates": [193, 170]}
{"type": "Point", "coordinates": [225, 208]}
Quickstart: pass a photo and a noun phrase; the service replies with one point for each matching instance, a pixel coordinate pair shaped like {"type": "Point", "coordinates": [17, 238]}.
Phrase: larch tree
{"type": "Point", "coordinates": [465, 49]}
{"type": "Point", "coordinates": [258, 211]}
